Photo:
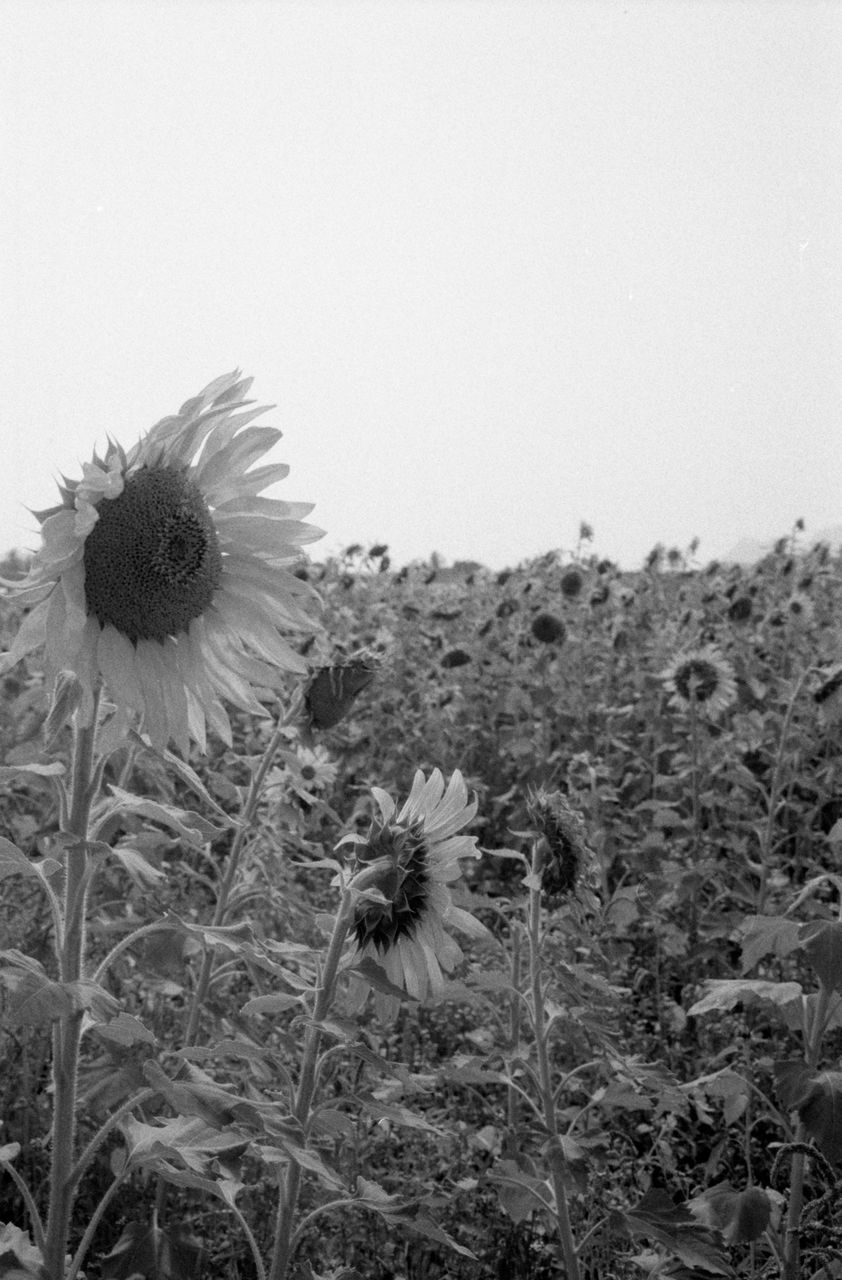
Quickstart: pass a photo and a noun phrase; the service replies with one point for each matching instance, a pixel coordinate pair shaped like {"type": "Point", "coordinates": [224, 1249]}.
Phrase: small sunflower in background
{"type": "Point", "coordinates": [405, 926]}
{"type": "Point", "coordinates": [701, 678]}
{"type": "Point", "coordinates": [571, 584]}
{"type": "Point", "coordinates": [799, 608]}
{"type": "Point", "coordinates": [167, 576]}
{"type": "Point", "coordinates": [548, 629]}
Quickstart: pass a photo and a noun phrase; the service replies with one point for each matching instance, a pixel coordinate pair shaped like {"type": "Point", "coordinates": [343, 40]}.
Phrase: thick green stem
{"type": "Point", "coordinates": [774, 793]}
{"type": "Point", "coordinates": [514, 1027]}
{"type": "Point", "coordinates": [567, 1245]}
{"type": "Point", "coordinates": [697, 830]}
{"type": "Point", "coordinates": [67, 1031]}
{"type": "Point", "coordinates": [291, 1180]}
{"type": "Point", "coordinates": [812, 1052]}
{"type": "Point", "coordinates": [246, 816]}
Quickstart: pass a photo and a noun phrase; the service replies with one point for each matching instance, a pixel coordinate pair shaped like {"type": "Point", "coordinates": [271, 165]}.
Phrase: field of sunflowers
{"type": "Point", "coordinates": [487, 926]}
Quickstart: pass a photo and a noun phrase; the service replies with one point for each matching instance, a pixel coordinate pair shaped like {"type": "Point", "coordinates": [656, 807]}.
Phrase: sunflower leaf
{"type": "Point", "coordinates": [36, 999]}
{"type": "Point", "coordinates": [190, 826]}
{"type": "Point", "coordinates": [187, 775]}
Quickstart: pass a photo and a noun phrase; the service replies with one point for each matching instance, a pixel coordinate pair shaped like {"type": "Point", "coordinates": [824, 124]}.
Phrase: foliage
{"type": "Point", "coordinates": [633, 1075]}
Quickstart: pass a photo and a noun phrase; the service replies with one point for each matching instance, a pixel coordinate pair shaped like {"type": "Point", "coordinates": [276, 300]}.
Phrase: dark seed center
{"type": "Point", "coordinates": [404, 885]}
{"type": "Point", "coordinates": [152, 560]}
{"type": "Point", "coordinates": [696, 679]}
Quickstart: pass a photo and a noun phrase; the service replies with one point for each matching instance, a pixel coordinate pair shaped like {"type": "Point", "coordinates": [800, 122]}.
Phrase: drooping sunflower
{"type": "Point", "coordinates": [701, 678]}
{"type": "Point", "coordinates": [406, 930]}
{"type": "Point", "coordinates": [564, 855]}
{"type": "Point", "coordinates": [163, 573]}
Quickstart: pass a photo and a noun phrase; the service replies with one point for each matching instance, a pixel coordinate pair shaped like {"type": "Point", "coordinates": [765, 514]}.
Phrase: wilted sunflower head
{"type": "Point", "coordinates": [701, 678]}
{"type": "Point", "coordinates": [163, 573]}
{"type": "Point", "coordinates": [405, 923]}
{"type": "Point", "coordinates": [562, 852]}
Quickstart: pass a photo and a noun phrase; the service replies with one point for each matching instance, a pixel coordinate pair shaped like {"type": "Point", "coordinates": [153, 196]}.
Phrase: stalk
{"type": "Point", "coordinates": [229, 876]}
{"type": "Point", "coordinates": [792, 1243]}
{"type": "Point", "coordinates": [67, 1031]}
{"type": "Point", "coordinates": [567, 1245]}
{"type": "Point", "coordinates": [291, 1181]}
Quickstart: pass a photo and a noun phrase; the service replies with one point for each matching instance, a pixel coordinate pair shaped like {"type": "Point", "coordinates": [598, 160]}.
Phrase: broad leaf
{"type": "Point", "coordinates": [741, 1216]}
{"type": "Point", "coordinates": [724, 994]}
{"type": "Point", "coordinates": [147, 1252]}
{"type": "Point", "coordinates": [277, 1002]}
{"type": "Point", "coordinates": [822, 944]}
{"type": "Point", "coordinates": [817, 1098]}
{"type": "Point", "coordinates": [144, 873]}
{"type": "Point", "coordinates": [767, 935]}
{"type": "Point", "coordinates": [520, 1193]}
{"type": "Point", "coordinates": [36, 999]}
{"type": "Point", "coordinates": [124, 1030]}
{"type": "Point", "coordinates": [19, 1258]}
{"type": "Point", "coordinates": [674, 1227]}
{"type": "Point", "coordinates": [185, 1139]}
{"type": "Point", "coordinates": [190, 826]}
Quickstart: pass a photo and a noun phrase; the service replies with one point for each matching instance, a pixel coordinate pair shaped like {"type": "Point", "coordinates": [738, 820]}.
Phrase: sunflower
{"type": "Point", "coordinates": [165, 574]}
{"type": "Point", "coordinates": [701, 678]}
{"type": "Point", "coordinates": [563, 852]}
{"type": "Point", "coordinates": [799, 608]}
{"type": "Point", "coordinates": [571, 584]}
{"type": "Point", "coordinates": [405, 927]}
{"type": "Point", "coordinates": [548, 628]}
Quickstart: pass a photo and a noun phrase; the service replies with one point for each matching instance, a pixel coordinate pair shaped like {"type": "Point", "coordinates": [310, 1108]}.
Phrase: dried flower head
{"type": "Point", "coordinates": [563, 854]}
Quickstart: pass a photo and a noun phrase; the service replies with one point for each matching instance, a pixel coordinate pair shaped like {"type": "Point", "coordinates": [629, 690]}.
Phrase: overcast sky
{"type": "Point", "coordinates": [502, 267]}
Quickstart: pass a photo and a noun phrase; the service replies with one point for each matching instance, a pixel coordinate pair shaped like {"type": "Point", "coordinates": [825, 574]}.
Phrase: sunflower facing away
{"type": "Point", "coordinates": [701, 678]}
{"type": "Point", "coordinates": [405, 931]}
{"type": "Point", "coordinates": [164, 573]}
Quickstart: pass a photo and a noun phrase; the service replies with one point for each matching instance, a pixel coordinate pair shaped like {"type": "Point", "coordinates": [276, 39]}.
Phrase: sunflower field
{"type": "Point", "coordinates": [426, 923]}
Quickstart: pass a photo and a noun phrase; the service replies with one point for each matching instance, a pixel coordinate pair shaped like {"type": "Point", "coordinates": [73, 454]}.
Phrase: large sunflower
{"type": "Point", "coordinates": [165, 574]}
{"type": "Point", "coordinates": [405, 930]}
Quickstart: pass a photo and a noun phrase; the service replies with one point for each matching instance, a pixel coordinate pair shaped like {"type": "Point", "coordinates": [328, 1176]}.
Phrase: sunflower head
{"type": "Point", "coordinates": [701, 678]}
{"type": "Point", "coordinates": [548, 629]}
{"type": "Point", "coordinates": [152, 561]}
{"type": "Point", "coordinates": [571, 584]}
{"type": "Point", "coordinates": [402, 884]}
{"type": "Point", "coordinates": [799, 608]}
{"type": "Point", "coordinates": [741, 609]}
{"type": "Point", "coordinates": [405, 920]}
{"type": "Point", "coordinates": [562, 853]}
{"type": "Point", "coordinates": [162, 572]}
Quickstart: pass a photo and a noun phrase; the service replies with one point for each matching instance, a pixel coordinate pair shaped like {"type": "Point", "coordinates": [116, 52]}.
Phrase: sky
{"type": "Point", "coordinates": [501, 267]}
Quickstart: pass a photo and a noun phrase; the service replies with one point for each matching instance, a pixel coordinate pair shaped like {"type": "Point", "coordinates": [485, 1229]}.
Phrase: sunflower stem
{"type": "Point", "coordinates": [568, 1254]}
{"type": "Point", "coordinates": [774, 795]}
{"type": "Point", "coordinates": [291, 1180]}
{"type": "Point", "coordinates": [514, 1027]}
{"type": "Point", "coordinates": [697, 829]}
{"type": "Point", "coordinates": [248, 811]}
{"type": "Point", "coordinates": [67, 1030]}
